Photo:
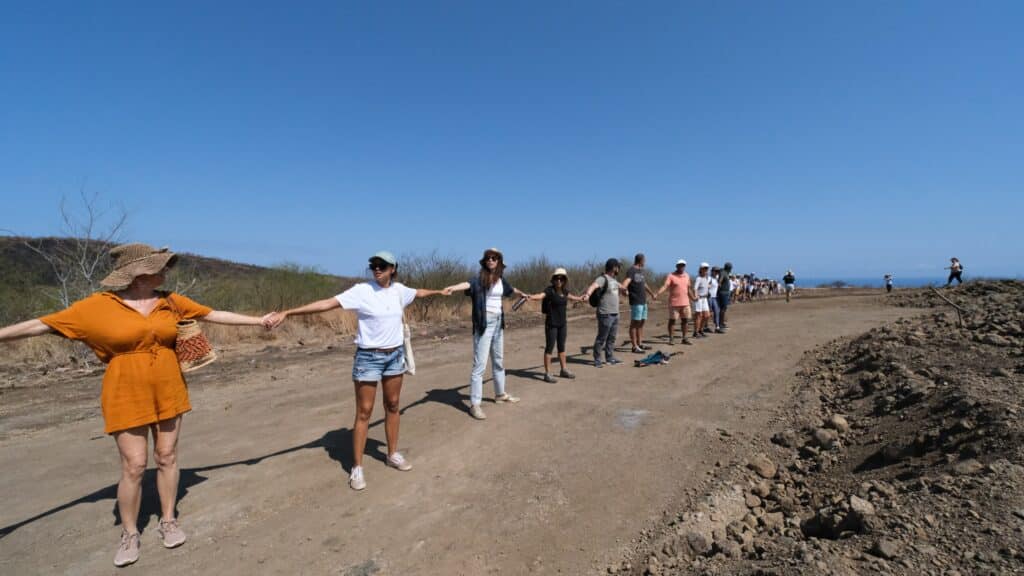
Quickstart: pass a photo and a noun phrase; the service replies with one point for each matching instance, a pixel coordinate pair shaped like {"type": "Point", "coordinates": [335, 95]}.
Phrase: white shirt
{"type": "Point", "coordinates": [379, 311]}
{"type": "Point", "coordinates": [701, 285]}
{"type": "Point", "coordinates": [494, 297]}
{"type": "Point", "coordinates": [713, 290]}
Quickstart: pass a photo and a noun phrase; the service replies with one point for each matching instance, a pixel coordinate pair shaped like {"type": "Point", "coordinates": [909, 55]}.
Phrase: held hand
{"type": "Point", "coordinates": [274, 319]}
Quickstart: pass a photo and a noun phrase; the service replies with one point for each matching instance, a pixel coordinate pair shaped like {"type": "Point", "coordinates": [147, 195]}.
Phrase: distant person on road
{"type": "Point", "coordinates": [701, 308]}
{"type": "Point", "coordinates": [888, 283]}
{"type": "Point", "coordinates": [131, 327]}
{"type": "Point", "coordinates": [554, 302]}
{"type": "Point", "coordinates": [635, 285]}
{"type": "Point", "coordinates": [680, 294]}
{"type": "Point", "coordinates": [607, 312]}
{"type": "Point", "coordinates": [380, 353]}
{"type": "Point", "coordinates": [726, 284]}
{"type": "Point", "coordinates": [790, 281]}
{"type": "Point", "coordinates": [956, 269]}
{"type": "Point", "coordinates": [716, 310]}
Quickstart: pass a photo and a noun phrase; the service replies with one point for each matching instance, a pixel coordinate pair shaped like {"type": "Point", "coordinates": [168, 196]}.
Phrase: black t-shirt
{"type": "Point", "coordinates": [789, 278]}
{"type": "Point", "coordinates": [637, 283]}
{"type": "Point", "coordinates": [556, 304]}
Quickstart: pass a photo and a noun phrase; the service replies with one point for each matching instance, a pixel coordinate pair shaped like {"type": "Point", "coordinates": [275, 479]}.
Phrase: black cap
{"type": "Point", "coordinates": [611, 264]}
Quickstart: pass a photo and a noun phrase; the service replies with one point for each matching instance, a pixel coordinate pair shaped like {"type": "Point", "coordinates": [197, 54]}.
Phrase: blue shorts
{"type": "Point", "coordinates": [638, 312]}
{"type": "Point", "coordinates": [371, 366]}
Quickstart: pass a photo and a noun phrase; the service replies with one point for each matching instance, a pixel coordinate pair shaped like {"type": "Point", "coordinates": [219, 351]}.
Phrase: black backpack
{"type": "Point", "coordinates": [596, 295]}
{"type": "Point", "coordinates": [545, 305]}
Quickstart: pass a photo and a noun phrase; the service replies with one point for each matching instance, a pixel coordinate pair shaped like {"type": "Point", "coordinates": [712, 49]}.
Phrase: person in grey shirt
{"type": "Point", "coordinates": [607, 312]}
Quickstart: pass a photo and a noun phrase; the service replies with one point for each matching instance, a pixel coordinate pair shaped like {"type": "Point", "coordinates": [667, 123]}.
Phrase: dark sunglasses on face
{"type": "Point", "coordinates": [492, 259]}
{"type": "Point", "coordinates": [558, 279]}
{"type": "Point", "coordinates": [379, 266]}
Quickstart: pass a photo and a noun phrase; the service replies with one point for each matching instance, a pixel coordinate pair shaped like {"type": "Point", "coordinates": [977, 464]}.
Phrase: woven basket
{"type": "Point", "coordinates": [192, 346]}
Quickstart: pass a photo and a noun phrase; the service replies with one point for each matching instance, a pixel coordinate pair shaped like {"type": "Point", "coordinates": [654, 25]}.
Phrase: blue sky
{"type": "Point", "coordinates": [840, 139]}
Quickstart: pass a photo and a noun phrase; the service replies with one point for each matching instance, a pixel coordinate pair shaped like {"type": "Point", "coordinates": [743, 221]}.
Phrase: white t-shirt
{"type": "Point", "coordinates": [701, 285]}
{"type": "Point", "coordinates": [379, 311]}
{"type": "Point", "coordinates": [713, 291]}
{"type": "Point", "coordinates": [494, 297]}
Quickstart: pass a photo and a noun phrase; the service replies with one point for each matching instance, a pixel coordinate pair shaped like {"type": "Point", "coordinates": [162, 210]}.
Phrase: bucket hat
{"type": "Point", "coordinates": [560, 272]}
{"type": "Point", "coordinates": [136, 259]}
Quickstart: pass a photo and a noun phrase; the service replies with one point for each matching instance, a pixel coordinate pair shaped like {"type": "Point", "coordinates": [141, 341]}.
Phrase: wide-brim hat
{"type": "Point", "coordinates": [134, 260]}
{"type": "Point", "coordinates": [560, 272]}
{"type": "Point", "coordinates": [494, 251]}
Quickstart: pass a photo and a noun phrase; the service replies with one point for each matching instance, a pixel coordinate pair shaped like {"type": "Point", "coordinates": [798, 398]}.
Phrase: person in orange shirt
{"type": "Point", "coordinates": [680, 293]}
{"type": "Point", "coordinates": [132, 329]}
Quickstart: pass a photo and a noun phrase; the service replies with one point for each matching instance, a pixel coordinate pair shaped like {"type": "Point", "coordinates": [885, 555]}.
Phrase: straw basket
{"type": "Point", "coordinates": [192, 347]}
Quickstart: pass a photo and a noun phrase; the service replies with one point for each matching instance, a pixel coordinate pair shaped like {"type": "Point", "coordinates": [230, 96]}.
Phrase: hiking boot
{"type": "Point", "coordinates": [477, 412]}
{"type": "Point", "coordinates": [355, 479]}
{"type": "Point", "coordinates": [506, 397]}
{"type": "Point", "coordinates": [399, 462]}
{"type": "Point", "coordinates": [566, 374]}
{"type": "Point", "coordinates": [597, 364]}
{"type": "Point", "coordinates": [549, 378]}
{"type": "Point", "coordinates": [128, 550]}
{"type": "Point", "coordinates": [171, 533]}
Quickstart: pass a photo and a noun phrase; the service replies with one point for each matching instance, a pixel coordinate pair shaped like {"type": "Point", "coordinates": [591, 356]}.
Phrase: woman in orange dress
{"type": "Point", "coordinates": [132, 329]}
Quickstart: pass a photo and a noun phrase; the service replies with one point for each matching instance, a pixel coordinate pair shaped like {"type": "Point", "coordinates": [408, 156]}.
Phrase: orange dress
{"type": "Point", "coordinates": [143, 382]}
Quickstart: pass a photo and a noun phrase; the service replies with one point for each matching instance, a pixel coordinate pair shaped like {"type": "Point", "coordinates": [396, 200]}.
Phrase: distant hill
{"type": "Point", "coordinates": [27, 282]}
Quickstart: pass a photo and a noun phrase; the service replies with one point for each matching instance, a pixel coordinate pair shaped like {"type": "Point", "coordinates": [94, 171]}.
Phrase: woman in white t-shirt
{"type": "Point", "coordinates": [701, 309]}
{"type": "Point", "coordinates": [380, 356]}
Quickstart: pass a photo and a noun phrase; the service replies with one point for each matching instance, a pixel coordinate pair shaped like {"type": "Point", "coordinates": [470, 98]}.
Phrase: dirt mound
{"type": "Point", "coordinates": [972, 295]}
{"type": "Point", "coordinates": [903, 453]}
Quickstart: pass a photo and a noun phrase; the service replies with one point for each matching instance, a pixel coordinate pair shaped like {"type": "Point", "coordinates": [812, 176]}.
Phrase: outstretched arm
{"type": "Point", "coordinates": [538, 296]}
{"type": "Point", "coordinates": [26, 329]}
{"type": "Point", "coordinates": [275, 319]}
{"type": "Point", "coordinates": [456, 288]}
{"type": "Point", "coordinates": [234, 319]}
{"type": "Point", "coordinates": [590, 290]}
{"type": "Point", "coordinates": [423, 292]}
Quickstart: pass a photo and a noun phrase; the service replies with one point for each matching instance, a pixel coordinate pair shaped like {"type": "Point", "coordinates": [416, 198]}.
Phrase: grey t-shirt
{"type": "Point", "coordinates": [610, 299]}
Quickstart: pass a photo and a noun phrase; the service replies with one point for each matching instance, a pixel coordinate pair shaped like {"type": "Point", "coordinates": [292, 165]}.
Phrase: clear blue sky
{"type": "Point", "coordinates": [843, 139]}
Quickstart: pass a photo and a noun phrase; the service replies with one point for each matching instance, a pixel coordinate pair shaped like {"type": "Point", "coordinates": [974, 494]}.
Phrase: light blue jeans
{"type": "Point", "coordinates": [491, 341]}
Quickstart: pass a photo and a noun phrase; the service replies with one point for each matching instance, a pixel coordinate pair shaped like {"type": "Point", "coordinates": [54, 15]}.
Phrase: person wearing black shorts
{"type": "Point", "coordinates": [554, 301]}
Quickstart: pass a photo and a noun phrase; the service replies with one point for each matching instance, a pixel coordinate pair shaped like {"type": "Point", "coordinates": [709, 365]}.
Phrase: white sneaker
{"type": "Point", "coordinates": [398, 461]}
{"type": "Point", "coordinates": [355, 479]}
{"type": "Point", "coordinates": [476, 412]}
{"type": "Point", "coordinates": [506, 397]}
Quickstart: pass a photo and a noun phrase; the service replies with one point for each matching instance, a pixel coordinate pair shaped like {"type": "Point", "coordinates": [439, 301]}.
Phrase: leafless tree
{"type": "Point", "coordinates": [80, 260]}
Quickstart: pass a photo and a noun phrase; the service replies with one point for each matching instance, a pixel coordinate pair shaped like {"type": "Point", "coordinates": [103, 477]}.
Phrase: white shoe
{"type": "Point", "coordinates": [506, 397]}
{"type": "Point", "coordinates": [476, 412]}
{"type": "Point", "coordinates": [399, 462]}
{"type": "Point", "coordinates": [355, 479]}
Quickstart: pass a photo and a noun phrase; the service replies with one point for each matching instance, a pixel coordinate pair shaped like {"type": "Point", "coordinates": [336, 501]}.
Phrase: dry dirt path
{"type": "Point", "coordinates": [558, 484]}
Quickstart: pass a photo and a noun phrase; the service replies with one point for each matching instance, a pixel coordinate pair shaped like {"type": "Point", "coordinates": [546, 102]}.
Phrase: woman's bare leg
{"type": "Point", "coordinates": [132, 444]}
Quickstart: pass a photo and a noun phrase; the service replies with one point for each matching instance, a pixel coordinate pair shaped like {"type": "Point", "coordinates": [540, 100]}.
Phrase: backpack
{"type": "Point", "coordinates": [596, 295]}
{"type": "Point", "coordinates": [545, 305]}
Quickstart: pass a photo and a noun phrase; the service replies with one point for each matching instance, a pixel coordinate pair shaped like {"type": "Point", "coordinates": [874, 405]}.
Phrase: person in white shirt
{"type": "Point", "coordinates": [701, 308]}
{"type": "Point", "coordinates": [380, 356]}
{"type": "Point", "coordinates": [713, 300]}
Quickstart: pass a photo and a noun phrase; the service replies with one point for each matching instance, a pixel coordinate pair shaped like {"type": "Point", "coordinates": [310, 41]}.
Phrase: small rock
{"type": "Point", "coordinates": [825, 438]}
{"type": "Point", "coordinates": [763, 466]}
{"type": "Point", "coordinates": [967, 467]}
{"type": "Point", "coordinates": [762, 489]}
{"type": "Point", "coordinates": [838, 423]}
{"type": "Point", "coordinates": [861, 506]}
{"type": "Point", "coordinates": [885, 548]}
{"type": "Point", "coordinates": [753, 501]}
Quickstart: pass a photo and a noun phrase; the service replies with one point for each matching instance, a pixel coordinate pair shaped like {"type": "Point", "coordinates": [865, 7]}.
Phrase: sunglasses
{"type": "Point", "coordinates": [492, 259]}
{"type": "Point", "coordinates": [379, 266]}
{"type": "Point", "coordinates": [559, 278]}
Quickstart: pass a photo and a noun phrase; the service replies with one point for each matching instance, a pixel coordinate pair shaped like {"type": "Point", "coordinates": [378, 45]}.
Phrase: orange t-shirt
{"type": "Point", "coordinates": [678, 289]}
{"type": "Point", "coordinates": [143, 382]}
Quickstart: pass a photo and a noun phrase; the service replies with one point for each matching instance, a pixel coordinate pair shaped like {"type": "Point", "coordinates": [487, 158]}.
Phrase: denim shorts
{"type": "Point", "coordinates": [638, 312]}
{"type": "Point", "coordinates": [371, 366]}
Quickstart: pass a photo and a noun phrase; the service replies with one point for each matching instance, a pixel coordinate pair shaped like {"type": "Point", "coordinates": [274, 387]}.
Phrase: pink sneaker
{"type": "Point", "coordinates": [128, 550]}
{"type": "Point", "coordinates": [171, 533]}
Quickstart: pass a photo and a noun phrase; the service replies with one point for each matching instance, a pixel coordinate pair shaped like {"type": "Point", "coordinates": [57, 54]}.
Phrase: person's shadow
{"type": "Point", "coordinates": [336, 443]}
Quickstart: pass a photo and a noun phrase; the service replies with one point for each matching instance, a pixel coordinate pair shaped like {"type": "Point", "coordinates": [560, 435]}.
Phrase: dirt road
{"type": "Point", "coordinates": [558, 484]}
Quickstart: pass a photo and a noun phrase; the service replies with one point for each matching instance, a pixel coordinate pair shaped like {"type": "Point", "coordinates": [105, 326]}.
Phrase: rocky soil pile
{"type": "Point", "coordinates": [903, 453]}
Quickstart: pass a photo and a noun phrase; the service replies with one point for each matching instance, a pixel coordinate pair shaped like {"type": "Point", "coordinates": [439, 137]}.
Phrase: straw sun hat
{"type": "Point", "coordinates": [560, 272]}
{"type": "Point", "coordinates": [133, 260]}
